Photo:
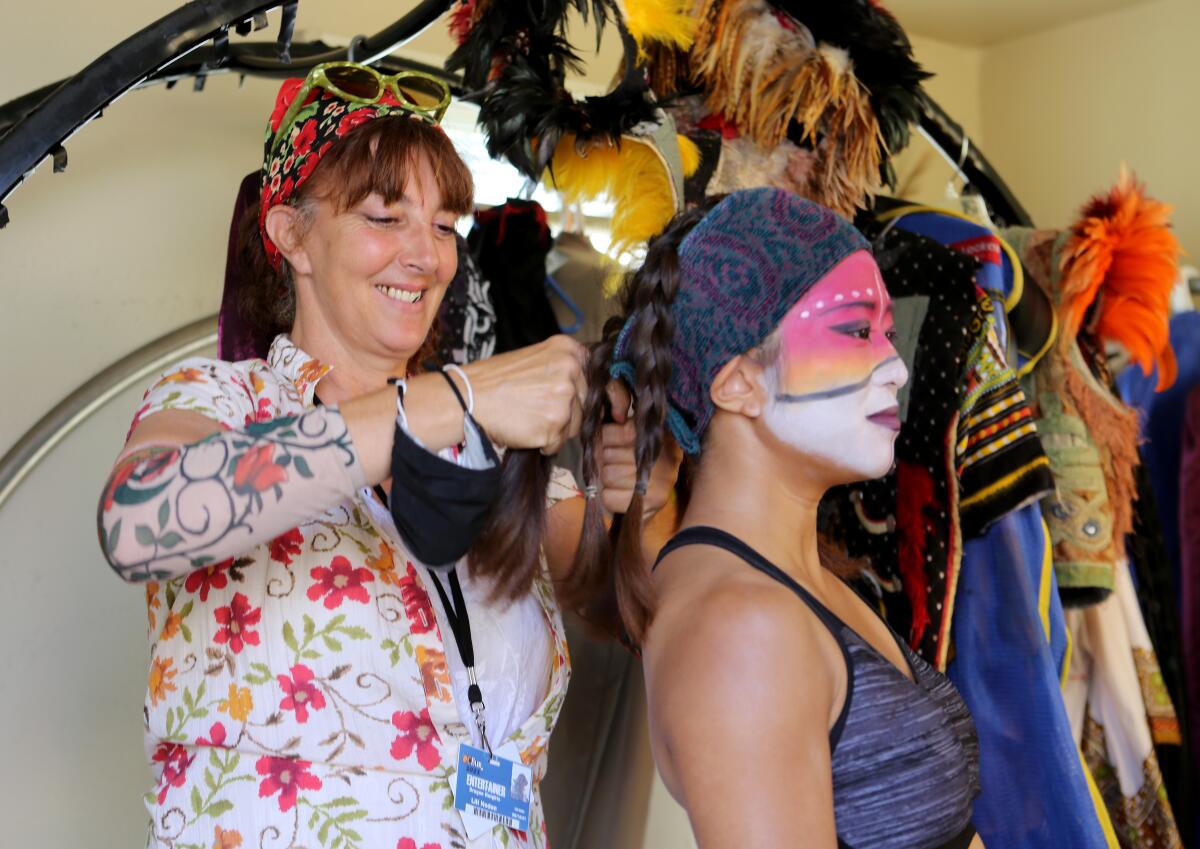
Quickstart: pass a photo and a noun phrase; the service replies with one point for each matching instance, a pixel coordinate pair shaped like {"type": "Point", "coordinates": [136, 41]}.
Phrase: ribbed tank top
{"type": "Point", "coordinates": [904, 753]}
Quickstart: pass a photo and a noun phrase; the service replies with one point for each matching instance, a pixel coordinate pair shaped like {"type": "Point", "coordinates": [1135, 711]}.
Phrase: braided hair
{"type": "Point", "coordinates": [610, 582]}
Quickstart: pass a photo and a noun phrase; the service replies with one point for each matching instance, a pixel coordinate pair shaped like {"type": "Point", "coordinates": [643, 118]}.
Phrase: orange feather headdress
{"type": "Point", "coordinates": [1118, 266]}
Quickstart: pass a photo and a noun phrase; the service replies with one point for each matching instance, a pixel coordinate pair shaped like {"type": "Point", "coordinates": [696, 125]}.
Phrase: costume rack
{"type": "Point", "coordinates": [193, 42]}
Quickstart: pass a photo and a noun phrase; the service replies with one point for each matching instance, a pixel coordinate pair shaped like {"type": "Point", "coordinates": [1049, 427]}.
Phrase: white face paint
{"type": "Point", "coordinates": [833, 387]}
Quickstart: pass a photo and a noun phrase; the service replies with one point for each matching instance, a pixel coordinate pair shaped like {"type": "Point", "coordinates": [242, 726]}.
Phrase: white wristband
{"type": "Point", "coordinates": [455, 369]}
{"type": "Point", "coordinates": [401, 391]}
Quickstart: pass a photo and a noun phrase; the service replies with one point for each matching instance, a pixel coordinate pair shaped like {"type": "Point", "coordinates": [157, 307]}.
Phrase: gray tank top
{"type": "Point", "coordinates": [905, 755]}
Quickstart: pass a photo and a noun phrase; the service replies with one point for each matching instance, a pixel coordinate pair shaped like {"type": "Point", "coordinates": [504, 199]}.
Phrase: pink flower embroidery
{"type": "Point", "coordinates": [285, 776]}
{"type": "Point", "coordinates": [421, 618]}
{"type": "Point", "coordinates": [301, 693]}
{"type": "Point", "coordinates": [416, 732]}
{"type": "Point", "coordinates": [236, 621]}
{"type": "Point", "coordinates": [340, 581]}
{"type": "Point", "coordinates": [175, 760]}
{"type": "Point", "coordinates": [409, 843]}
{"type": "Point", "coordinates": [216, 736]}
{"type": "Point", "coordinates": [262, 413]}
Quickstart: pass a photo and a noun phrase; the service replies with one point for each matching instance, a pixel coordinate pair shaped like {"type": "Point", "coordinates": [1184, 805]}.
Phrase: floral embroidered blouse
{"type": "Point", "coordinates": [300, 695]}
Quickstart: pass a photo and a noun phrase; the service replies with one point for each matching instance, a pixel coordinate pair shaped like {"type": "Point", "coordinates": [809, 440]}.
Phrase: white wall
{"type": "Point", "coordinates": [1062, 109]}
{"type": "Point", "coordinates": [921, 170]}
{"type": "Point", "coordinates": [73, 658]}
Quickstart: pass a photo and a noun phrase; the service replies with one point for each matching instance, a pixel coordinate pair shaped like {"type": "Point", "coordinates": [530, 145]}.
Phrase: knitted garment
{"type": "Point", "coordinates": [741, 269]}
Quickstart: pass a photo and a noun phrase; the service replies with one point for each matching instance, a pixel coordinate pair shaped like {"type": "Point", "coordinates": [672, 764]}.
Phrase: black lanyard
{"type": "Point", "coordinates": [460, 626]}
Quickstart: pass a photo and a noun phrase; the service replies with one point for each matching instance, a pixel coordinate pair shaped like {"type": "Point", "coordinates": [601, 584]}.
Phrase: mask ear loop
{"type": "Point", "coordinates": [456, 369]}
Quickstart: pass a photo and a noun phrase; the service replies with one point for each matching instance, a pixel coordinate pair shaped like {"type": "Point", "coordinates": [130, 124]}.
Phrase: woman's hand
{"type": "Point", "coordinates": [532, 397]}
{"type": "Point", "coordinates": [618, 461]}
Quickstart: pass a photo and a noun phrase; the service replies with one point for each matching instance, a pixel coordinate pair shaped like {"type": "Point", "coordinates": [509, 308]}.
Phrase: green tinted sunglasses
{"type": "Point", "coordinates": [424, 95]}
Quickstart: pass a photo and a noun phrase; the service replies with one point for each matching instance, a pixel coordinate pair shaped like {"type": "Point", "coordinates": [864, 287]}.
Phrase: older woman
{"type": "Point", "coordinates": [290, 516]}
{"type": "Point", "coordinates": [784, 712]}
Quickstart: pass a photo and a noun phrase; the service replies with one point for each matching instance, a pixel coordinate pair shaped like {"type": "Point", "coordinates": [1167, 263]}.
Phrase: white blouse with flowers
{"type": "Point", "coordinates": [302, 695]}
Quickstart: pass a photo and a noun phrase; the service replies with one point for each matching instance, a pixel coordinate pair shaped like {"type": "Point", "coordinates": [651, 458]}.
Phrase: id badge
{"type": "Point", "coordinates": [493, 788]}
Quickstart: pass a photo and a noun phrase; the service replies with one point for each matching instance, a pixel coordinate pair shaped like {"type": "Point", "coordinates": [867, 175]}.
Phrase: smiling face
{"type": "Point", "coordinates": [833, 386]}
{"type": "Point", "coordinates": [378, 270]}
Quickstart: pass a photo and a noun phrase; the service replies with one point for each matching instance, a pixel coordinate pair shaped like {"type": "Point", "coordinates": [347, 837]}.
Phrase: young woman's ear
{"type": "Point", "coordinates": [741, 386]}
{"type": "Point", "coordinates": [283, 226]}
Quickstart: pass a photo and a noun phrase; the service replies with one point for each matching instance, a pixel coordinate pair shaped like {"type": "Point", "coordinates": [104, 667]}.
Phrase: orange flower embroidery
{"type": "Point", "coordinates": [435, 676]}
{"type": "Point", "coordinates": [226, 839]}
{"type": "Point", "coordinates": [310, 372]}
{"type": "Point", "coordinates": [239, 703]}
{"type": "Point", "coordinates": [385, 565]}
{"type": "Point", "coordinates": [160, 684]}
{"type": "Point", "coordinates": [184, 375]}
{"type": "Point", "coordinates": [152, 601]}
{"type": "Point", "coordinates": [171, 626]}
{"type": "Point", "coordinates": [256, 382]}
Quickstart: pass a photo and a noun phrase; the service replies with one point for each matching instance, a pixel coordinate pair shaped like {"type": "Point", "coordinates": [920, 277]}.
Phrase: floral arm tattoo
{"type": "Point", "coordinates": [168, 511]}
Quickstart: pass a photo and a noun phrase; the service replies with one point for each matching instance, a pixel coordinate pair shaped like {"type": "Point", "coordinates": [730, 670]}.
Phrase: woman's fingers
{"type": "Point", "coordinates": [619, 400]}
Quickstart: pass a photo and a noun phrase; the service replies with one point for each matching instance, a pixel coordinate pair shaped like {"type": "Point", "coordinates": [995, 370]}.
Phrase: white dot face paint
{"type": "Point", "coordinates": [838, 374]}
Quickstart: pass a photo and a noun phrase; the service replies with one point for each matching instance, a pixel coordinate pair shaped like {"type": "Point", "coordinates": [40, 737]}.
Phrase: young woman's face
{"type": "Point", "coordinates": [833, 396]}
{"type": "Point", "coordinates": [379, 270]}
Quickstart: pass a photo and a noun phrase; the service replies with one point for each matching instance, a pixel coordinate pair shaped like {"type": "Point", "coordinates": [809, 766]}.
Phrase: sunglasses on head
{"type": "Point", "coordinates": [424, 95]}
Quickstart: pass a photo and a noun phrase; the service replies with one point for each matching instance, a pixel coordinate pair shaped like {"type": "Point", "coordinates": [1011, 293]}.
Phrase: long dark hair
{"type": "Point", "coordinates": [610, 582]}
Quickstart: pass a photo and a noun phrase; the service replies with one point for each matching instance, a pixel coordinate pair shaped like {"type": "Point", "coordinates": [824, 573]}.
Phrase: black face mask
{"type": "Point", "coordinates": [440, 507]}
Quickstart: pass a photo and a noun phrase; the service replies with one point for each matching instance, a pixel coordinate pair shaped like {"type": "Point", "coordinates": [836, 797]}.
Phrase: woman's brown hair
{"type": "Point", "coordinates": [610, 581]}
{"type": "Point", "coordinates": [376, 157]}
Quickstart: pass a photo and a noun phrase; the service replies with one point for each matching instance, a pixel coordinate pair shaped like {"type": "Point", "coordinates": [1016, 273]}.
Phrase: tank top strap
{"type": "Point", "coordinates": [707, 535]}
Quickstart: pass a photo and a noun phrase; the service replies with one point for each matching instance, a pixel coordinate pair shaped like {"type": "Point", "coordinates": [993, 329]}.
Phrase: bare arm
{"type": "Point", "coordinates": [740, 704]}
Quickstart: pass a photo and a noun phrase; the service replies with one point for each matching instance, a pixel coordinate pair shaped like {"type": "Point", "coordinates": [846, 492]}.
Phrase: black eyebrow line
{"type": "Point", "coordinates": [837, 392]}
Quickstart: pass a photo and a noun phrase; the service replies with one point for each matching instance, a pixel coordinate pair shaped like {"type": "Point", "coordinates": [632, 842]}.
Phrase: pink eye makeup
{"type": "Point", "coordinates": [838, 335]}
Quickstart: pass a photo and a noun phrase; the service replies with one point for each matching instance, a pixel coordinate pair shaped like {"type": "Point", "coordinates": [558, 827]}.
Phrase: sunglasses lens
{"type": "Point", "coordinates": [421, 92]}
{"type": "Point", "coordinates": [356, 82]}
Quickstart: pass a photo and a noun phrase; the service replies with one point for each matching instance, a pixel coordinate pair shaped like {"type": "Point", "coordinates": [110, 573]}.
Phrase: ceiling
{"type": "Point", "coordinates": [980, 23]}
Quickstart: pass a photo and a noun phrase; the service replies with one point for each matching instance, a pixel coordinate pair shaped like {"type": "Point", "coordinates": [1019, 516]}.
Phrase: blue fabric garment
{"type": "Point", "coordinates": [1162, 425]}
{"type": "Point", "coordinates": [1035, 793]}
{"type": "Point", "coordinates": [1007, 664]}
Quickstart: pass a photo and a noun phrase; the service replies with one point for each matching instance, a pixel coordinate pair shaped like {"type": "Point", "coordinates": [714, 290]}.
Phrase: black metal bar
{"type": "Point", "coordinates": [80, 98]}
{"type": "Point", "coordinates": [33, 125]}
{"type": "Point", "coordinates": [36, 124]}
{"type": "Point", "coordinates": [948, 135]}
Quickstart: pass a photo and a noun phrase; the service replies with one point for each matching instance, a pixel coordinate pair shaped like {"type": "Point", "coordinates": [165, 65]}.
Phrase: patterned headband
{"type": "Point", "coordinates": [324, 119]}
{"type": "Point", "coordinates": [741, 269]}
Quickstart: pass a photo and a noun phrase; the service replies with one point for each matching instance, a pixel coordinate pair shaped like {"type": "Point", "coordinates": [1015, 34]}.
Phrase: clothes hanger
{"type": "Point", "coordinates": [552, 288]}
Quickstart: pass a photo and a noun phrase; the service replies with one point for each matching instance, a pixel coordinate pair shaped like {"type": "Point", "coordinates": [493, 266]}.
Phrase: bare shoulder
{"type": "Point", "coordinates": [739, 672]}
{"type": "Point", "coordinates": [725, 635]}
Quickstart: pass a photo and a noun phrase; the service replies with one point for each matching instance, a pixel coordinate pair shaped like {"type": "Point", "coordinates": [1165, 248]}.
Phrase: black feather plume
{"type": "Point", "coordinates": [882, 56]}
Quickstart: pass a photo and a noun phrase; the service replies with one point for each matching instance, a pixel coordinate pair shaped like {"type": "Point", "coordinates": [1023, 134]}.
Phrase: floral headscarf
{"type": "Point", "coordinates": [323, 120]}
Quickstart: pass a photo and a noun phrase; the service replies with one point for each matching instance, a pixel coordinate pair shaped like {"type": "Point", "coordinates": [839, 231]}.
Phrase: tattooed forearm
{"type": "Point", "coordinates": [166, 512]}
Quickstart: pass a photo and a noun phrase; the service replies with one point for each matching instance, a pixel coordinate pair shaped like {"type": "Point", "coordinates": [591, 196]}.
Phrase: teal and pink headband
{"type": "Point", "coordinates": [741, 269]}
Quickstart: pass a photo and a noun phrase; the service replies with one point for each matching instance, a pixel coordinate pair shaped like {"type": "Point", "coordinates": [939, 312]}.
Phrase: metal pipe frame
{"type": "Point", "coordinates": [52, 428]}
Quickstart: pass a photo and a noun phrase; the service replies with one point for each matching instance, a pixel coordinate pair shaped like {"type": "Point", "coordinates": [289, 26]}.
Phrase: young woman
{"type": "Point", "coordinates": [784, 712]}
{"type": "Point", "coordinates": [313, 679]}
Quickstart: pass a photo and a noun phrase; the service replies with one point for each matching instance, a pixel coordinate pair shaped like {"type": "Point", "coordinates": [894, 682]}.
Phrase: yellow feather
{"type": "Point", "coordinates": [666, 21]}
{"type": "Point", "coordinates": [630, 174]}
{"type": "Point", "coordinates": [689, 154]}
